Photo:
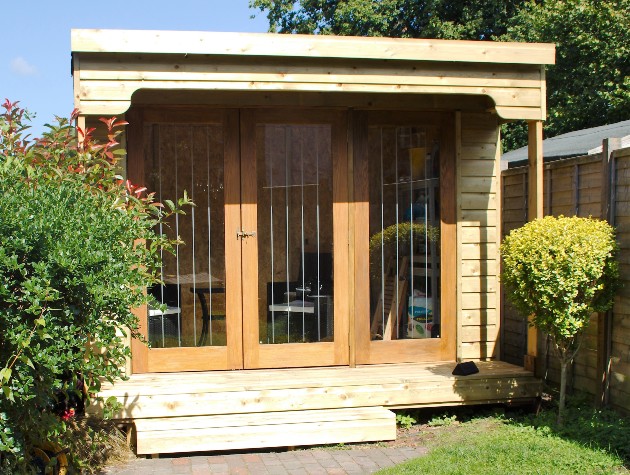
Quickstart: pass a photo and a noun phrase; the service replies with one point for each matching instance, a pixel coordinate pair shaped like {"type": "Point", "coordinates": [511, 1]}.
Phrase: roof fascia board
{"type": "Point", "coordinates": [265, 44]}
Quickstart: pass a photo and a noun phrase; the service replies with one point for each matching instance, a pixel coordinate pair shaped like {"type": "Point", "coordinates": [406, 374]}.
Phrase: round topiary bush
{"type": "Point", "coordinates": [559, 271]}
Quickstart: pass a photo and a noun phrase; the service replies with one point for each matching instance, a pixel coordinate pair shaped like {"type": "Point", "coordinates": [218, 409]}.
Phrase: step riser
{"type": "Point", "coordinates": [234, 438]}
{"type": "Point", "coordinates": [219, 410]}
{"type": "Point", "coordinates": [410, 394]}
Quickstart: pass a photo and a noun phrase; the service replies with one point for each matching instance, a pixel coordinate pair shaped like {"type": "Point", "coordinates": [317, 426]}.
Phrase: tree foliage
{"type": "Point", "coordinates": [395, 18]}
{"type": "Point", "coordinates": [589, 85]}
{"type": "Point", "coordinates": [559, 271]}
{"type": "Point", "coordinates": [72, 266]}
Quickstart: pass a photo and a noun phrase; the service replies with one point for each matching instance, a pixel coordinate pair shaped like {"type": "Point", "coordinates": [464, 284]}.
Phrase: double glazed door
{"type": "Point", "coordinates": [259, 279]}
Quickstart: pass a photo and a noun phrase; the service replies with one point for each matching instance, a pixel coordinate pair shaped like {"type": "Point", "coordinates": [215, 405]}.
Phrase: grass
{"type": "Point", "coordinates": [467, 442]}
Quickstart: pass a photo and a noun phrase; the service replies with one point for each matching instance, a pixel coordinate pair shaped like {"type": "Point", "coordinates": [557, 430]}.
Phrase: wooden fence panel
{"type": "Point", "coordinates": [619, 378]}
{"type": "Point", "coordinates": [574, 187]}
{"type": "Point", "coordinates": [514, 215]}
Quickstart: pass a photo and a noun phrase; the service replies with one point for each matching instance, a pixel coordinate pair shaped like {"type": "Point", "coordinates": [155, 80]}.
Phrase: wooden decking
{"type": "Point", "coordinates": [204, 411]}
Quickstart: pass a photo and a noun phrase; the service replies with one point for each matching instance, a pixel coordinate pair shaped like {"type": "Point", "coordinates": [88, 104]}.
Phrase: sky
{"type": "Point", "coordinates": [35, 52]}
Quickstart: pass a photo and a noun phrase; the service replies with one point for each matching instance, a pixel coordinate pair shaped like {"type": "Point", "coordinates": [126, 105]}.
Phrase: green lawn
{"type": "Point", "coordinates": [591, 442]}
{"type": "Point", "coordinates": [508, 449]}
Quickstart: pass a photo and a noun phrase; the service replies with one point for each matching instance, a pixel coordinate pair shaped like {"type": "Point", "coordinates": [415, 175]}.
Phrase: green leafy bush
{"type": "Point", "coordinates": [559, 271]}
{"type": "Point", "coordinates": [77, 250]}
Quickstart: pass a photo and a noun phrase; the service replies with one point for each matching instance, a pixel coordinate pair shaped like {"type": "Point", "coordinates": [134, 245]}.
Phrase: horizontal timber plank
{"type": "Point", "coordinates": [478, 251]}
{"type": "Point", "coordinates": [479, 333]}
{"type": "Point", "coordinates": [426, 393]}
{"type": "Point", "coordinates": [479, 267]}
{"type": "Point", "coordinates": [480, 119]}
{"type": "Point", "coordinates": [482, 151]}
{"type": "Point", "coordinates": [313, 432]}
{"type": "Point", "coordinates": [480, 234]}
{"type": "Point", "coordinates": [513, 202]}
{"type": "Point", "coordinates": [123, 90]}
{"type": "Point", "coordinates": [478, 201]}
{"type": "Point", "coordinates": [479, 316]}
{"type": "Point", "coordinates": [513, 190]}
{"type": "Point", "coordinates": [270, 419]}
{"type": "Point", "coordinates": [474, 217]}
{"type": "Point", "coordinates": [257, 44]}
{"type": "Point", "coordinates": [304, 377]}
{"type": "Point", "coordinates": [158, 395]}
{"type": "Point", "coordinates": [479, 184]}
{"type": "Point", "coordinates": [620, 400]}
{"type": "Point", "coordinates": [479, 350]}
{"type": "Point", "coordinates": [290, 73]}
{"type": "Point", "coordinates": [483, 136]}
{"type": "Point", "coordinates": [479, 284]}
{"type": "Point", "coordinates": [476, 168]}
{"type": "Point", "coordinates": [479, 300]}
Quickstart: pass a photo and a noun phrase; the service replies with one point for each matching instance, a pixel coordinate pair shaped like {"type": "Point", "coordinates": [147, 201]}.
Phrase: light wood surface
{"type": "Point", "coordinates": [261, 44]}
{"type": "Point", "coordinates": [477, 217]}
{"type": "Point", "coordinates": [249, 391]}
{"type": "Point", "coordinates": [534, 211]}
{"type": "Point", "coordinates": [450, 139]}
{"type": "Point", "coordinates": [227, 410]}
{"type": "Point", "coordinates": [274, 429]}
{"type": "Point", "coordinates": [108, 69]}
{"type": "Point", "coordinates": [257, 354]}
{"type": "Point", "coordinates": [369, 351]}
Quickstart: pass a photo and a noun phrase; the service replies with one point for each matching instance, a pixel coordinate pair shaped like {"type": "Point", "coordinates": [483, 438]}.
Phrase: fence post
{"type": "Point", "coordinates": [534, 211]}
{"type": "Point", "coordinates": [604, 320]}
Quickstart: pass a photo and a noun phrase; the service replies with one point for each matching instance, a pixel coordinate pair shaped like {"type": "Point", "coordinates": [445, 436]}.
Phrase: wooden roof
{"type": "Point", "coordinates": [110, 65]}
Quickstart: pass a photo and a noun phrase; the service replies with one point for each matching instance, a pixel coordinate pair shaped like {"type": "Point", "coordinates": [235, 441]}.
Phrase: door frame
{"type": "Point", "coordinates": [255, 354]}
{"type": "Point", "coordinates": [206, 357]}
{"type": "Point", "coordinates": [368, 351]}
{"type": "Point", "coordinates": [243, 349]}
{"type": "Point", "coordinates": [350, 237]}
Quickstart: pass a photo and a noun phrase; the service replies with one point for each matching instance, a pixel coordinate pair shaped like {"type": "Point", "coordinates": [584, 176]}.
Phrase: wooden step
{"type": "Point", "coordinates": [270, 429]}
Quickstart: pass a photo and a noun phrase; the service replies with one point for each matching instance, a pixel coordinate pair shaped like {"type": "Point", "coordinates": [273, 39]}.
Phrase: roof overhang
{"type": "Point", "coordinates": [109, 66]}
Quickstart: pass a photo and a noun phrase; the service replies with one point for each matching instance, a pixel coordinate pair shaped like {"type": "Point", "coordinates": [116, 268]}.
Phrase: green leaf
{"type": "Point", "coordinates": [8, 393]}
{"type": "Point", "coordinates": [5, 374]}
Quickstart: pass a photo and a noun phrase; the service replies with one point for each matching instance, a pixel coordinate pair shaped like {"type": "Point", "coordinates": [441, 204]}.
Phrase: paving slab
{"type": "Point", "coordinates": [315, 461]}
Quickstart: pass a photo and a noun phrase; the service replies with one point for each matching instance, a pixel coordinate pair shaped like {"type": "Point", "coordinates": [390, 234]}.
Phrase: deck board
{"type": "Point", "coordinates": [395, 385]}
{"type": "Point", "coordinates": [222, 410]}
{"type": "Point", "coordinates": [221, 381]}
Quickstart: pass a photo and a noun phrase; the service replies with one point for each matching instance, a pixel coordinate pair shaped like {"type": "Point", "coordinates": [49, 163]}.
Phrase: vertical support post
{"type": "Point", "coordinates": [534, 211]}
{"type": "Point", "coordinates": [352, 342]}
{"type": "Point", "coordinates": [80, 125]}
{"type": "Point", "coordinates": [604, 320]}
{"type": "Point", "coordinates": [135, 172]}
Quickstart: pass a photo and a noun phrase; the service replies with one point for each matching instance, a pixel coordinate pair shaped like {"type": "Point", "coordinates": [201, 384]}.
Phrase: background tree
{"type": "Point", "coordinates": [477, 19]}
{"type": "Point", "coordinates": [589, 85]}
{"type": "Point", "coordinates": [559, 271]}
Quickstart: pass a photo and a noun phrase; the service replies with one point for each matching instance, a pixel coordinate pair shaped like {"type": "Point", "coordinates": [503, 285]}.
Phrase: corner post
{"type": "Point", "coordinates": [605, 319]}
{"type": "Point", "coordinates": [534, 211]}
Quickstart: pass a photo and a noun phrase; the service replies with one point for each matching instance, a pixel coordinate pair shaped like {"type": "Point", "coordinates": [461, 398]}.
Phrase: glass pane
{"type": "Point", "coordinates": [189, 157]}
{"type": "Point", "coordinates": [295, 233]}
{"type": "Point", "coordinates": [404, 233]}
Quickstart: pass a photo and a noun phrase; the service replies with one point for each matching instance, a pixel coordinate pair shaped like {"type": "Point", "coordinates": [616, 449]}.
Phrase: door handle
{"type": "Point", "coordinates": [245, 234]}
